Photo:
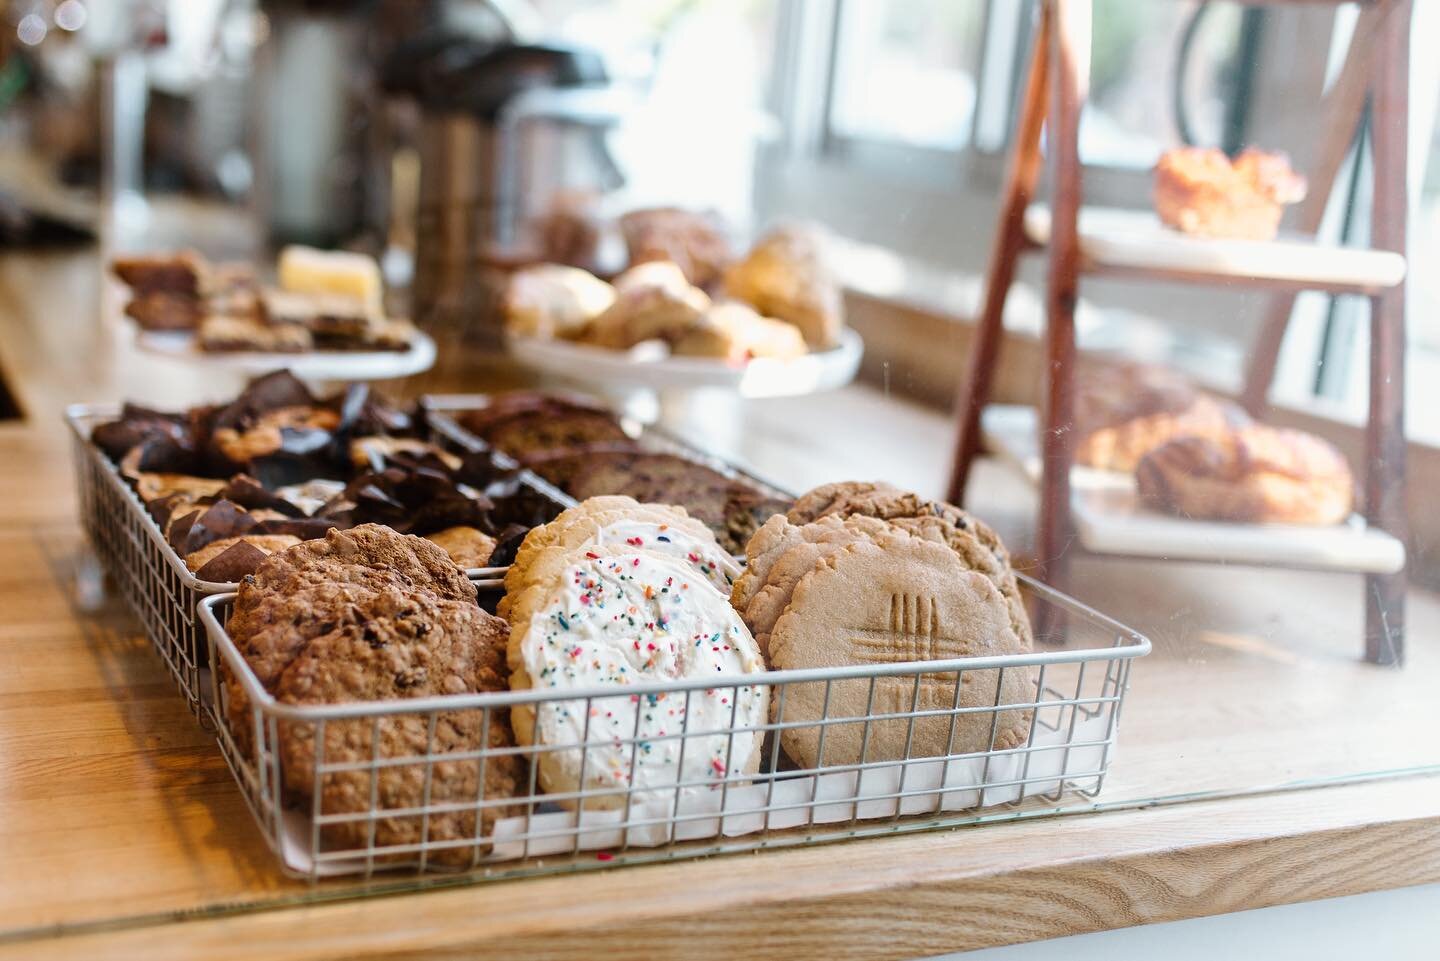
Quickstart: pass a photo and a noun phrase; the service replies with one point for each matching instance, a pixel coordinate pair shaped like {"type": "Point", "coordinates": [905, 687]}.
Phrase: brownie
{"type": "Point", "coordinates": [181, 273]}
{"type": "Point", "coordinates": [165, 310]}
{"type": "Point", "coordinates": [543, 431]}
{"type": "Point", "coordinates": [731, 508]}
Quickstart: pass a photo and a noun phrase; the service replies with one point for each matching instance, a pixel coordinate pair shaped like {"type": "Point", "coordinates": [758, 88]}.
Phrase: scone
{"type": "Point", "coordinates": [910, 600]}
{"type": "Point", "coordinates": [653, 302]}
{"type": "Point", "coordinates": [735, 333]}
{"type": "Point", "coordinates": [1200, 191]}
{"type": "Point", "coordinates": [551, 300]}
{"type": "Point", "coordinates": [784, 276]}
{"type": "Point", "coordinates": [692, 240]}
{"type": "Point", "coordinates": [1257, 474]}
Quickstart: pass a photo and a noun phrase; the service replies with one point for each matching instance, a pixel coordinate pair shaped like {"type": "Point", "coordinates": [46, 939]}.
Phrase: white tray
{"type": "Point", "coordinates": [1136, 240]}
{"type": "Point", "coordinates": [648, 367]}
{"type": "Point", "coordinates": [1109, 518]}
{"type": "Point", "coordinates": [333, 365]}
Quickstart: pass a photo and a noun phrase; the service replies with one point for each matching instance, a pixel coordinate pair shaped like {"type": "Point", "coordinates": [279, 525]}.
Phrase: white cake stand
{"type": "Point", "coordinates": [649, 367]}
{"type": "Point", "coordinates": [313, 366]}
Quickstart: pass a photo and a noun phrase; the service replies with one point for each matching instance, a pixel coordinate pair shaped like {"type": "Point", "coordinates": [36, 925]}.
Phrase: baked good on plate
{"type": "Point", "coordinates": [735, 333]}
{"type": "Point", "coordinates": [653, 301]}
{"type": "Point", "coordinates": [693, 240]}
{"type": "Point", "coordinates": [1201, 191]}
{"type": "Point", "coordinates": [1255, 474]}
{"type": "Point", "coordinates": [1123, 411]}
{"type": "Point", "coordinates": [784, 276]}
{"type": "Point", "coordinates": [551, 300]}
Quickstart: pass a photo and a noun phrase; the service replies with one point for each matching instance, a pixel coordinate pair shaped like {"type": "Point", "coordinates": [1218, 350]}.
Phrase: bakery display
{"type": "Point", "coordinates": [581, 448]}
{"type": "Point", "coordinates": [608, 595]}
{"type": "Point", "coordinates": [1254, 474]}
{"type": "Point", "coordinates": [369, 614]}
{"type": "Point", "coordinates": [1203, 192]}
{"type": "Point", "coordinates": [684, 292]}
{"type": "Point", "coordinates": [865, 573]}
{"type": "Point", "coordinates": [1124, 410]}
{"type": "Point", "coordinates": [231, 484]}
{"type": "Point", "coordinates": [325, 300]}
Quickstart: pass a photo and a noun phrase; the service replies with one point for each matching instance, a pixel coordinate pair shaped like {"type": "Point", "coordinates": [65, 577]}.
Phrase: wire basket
{"type": "Point", "coordinates": [152, 577]}
{"type": "Point", "coordinates": [430, 806]}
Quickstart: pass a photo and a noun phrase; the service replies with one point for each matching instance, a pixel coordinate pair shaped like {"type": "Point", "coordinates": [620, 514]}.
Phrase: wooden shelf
{"type": "Point", "coordinates": [1110, 520]}
{"type": "Point", "coordinates": [1135, 243]}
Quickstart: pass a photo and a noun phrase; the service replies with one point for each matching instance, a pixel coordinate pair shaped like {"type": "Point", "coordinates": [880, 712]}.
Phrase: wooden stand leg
{"type": "Point", "coordinates": [1340, 114]}
{"type": "Point", "coordinates": [1070, 70]}
{"type": "Point", "coordinates": [1020, 179]}
{"type": "Point", "coordinates": [1385, 430]}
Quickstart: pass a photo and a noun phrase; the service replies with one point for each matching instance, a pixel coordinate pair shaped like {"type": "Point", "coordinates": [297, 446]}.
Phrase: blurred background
{"type": "Point", "coordinates": [449, 137]}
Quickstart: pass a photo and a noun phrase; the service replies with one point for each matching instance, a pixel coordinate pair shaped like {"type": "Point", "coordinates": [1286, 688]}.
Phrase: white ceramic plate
{"type": "Point", "coordinates": [332, 365]}
{"type": "Point", "coordinates": [649, 366]}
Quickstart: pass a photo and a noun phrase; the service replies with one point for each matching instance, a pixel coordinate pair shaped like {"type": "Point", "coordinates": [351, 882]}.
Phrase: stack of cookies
{"type": "Point", "coordinates": [614, 593]}
{"type": "Point", "coordinates": [372, 615]}
{"type": "Point", "coordinates": [862, 573]}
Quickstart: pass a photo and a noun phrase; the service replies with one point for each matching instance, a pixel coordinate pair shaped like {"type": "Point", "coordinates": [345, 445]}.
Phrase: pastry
{"type": "Point", "coordinates": [339, 274]}
{"type": "Point", "coordinates": [1255, 474]}
{"type": "Point", "coordinates": [784, 276]}
{"type": "Point", "coordinates": [218, 332]}
{"type": "Point", "coordinates": [1200, 191]}
{"type": "Point", "coordinates": [630, 618]}
{"type": "Point", "coordinates": [735, 333]}
{"type": "Point", "coordinates": [554, 301]}
{"type": "Point", "coordinates": [434, 647]}
{"type": "Point", "coordinates": [1122, 411]}
{"type": "Point", "coordinates": [692, 240]}
{"type": "Point", "coordinates": [653, 302]}
{"type": "Point", "coordinates": [907, 601]}
{"type": "Point", "coordinates": [155, 486]}
{"type": "Point", "coordinates": [468, 547]}
{"type": "Point", "coordinates": [182, 273]}
{"type": "Point", "coordinates": [165, 310]}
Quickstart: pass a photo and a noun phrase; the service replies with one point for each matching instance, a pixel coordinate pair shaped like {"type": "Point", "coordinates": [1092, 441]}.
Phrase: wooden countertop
{"type": "Point", "coordinates": [122, 834]}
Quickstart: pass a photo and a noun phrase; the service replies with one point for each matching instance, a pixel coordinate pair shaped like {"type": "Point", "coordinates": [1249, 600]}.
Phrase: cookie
{"type": "Point", "coordinates": [442, 648]}
{"type": "Point", "coordinates": [628, 619]}
{"type": "Point", "coordinates": [911, 601]}
{"type": "Point", "coordinates": [816, 503]}
{"type": "Point", "coordinates": [977, 545]}
{"type": "Point", "coordinates": [467, 546]}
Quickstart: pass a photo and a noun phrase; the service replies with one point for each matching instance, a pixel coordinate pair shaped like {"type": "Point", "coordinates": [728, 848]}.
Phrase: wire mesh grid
{"type": "Point", "coordinates": [151, 575]}
{"type": "Point", "coordinates": [752, 761]}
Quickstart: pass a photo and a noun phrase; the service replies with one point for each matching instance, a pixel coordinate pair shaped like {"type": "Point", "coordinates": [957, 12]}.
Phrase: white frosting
{"type": "Point", "coordinates": [634, 619]}
{"type": "Point", "coordinates": [703, 555]}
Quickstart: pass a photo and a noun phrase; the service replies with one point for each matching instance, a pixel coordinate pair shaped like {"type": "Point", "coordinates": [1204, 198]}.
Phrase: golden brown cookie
{"type": "Point", "coordinates": [912, 601]}
{"type": "Point", "coordinates": [467, 546]}
{"type": "Point", "coordinates": [815, 503]}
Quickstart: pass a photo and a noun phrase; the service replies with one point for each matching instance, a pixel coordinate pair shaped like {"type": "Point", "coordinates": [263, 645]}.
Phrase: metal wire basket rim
{"type": "Point", "coordinates": [1135, 645]}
